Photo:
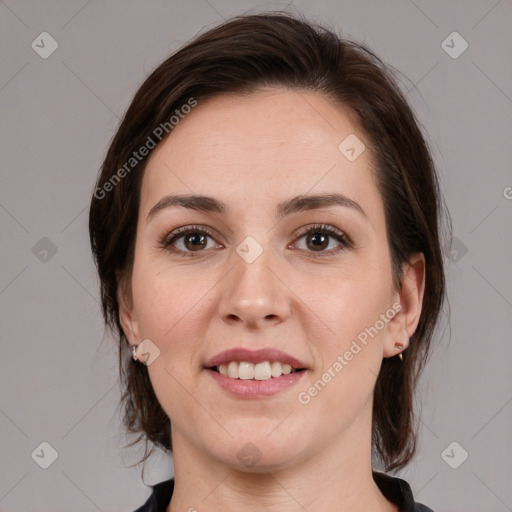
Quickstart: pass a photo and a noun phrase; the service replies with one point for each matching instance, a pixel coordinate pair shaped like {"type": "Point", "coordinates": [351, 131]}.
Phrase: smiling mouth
{"type": "Point", "coordinates": [264, 370]}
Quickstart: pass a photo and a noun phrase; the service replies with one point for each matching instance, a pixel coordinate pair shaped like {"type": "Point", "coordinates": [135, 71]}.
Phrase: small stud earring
{"type": "Point", "coordinates": [134, 352]}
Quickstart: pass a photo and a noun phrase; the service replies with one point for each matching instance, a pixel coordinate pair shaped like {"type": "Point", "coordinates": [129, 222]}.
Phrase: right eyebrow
{"type": "Point", "coordinates": [191, 201]}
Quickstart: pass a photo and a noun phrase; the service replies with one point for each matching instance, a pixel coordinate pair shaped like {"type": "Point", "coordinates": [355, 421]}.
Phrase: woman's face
{"type": "Point", "coordinates": [264, 275]}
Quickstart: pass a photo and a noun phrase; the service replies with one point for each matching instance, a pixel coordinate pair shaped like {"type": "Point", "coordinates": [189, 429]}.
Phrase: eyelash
{"type": "Point", "coordinates": [167, 241]}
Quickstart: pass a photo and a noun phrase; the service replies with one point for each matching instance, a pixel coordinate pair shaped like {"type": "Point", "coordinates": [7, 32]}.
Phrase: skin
{"type": "Point", "coordinates": [253, 152]}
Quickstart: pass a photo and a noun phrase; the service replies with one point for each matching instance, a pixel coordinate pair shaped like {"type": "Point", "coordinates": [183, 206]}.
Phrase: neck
{"type": "Point", "coordinates": [335, 477]}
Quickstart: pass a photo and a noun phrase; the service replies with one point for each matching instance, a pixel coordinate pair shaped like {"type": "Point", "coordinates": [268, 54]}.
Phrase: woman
{"type": "Point", "coordinates": [266, 227]}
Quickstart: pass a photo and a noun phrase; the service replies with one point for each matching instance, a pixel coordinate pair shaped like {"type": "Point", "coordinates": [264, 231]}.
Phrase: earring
{"type": "Point", "coordinates": [133, 351]}
{"type": "Point", "coordinates": [399, 346]}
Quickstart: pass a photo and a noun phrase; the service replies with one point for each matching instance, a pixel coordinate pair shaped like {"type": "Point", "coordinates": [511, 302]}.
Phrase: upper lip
{"type": "Point", "coordinates": [254, 356]}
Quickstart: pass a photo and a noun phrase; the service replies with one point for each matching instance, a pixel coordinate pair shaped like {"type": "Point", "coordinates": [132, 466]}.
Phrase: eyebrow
{"type": "Point", "coordinates": [295, 204]}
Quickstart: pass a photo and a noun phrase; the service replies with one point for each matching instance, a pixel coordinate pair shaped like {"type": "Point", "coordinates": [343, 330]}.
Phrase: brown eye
{"type": "Point", "coordinates": [319, 237]}
{"type": "Point", "coordinates": [317, 241]}
{"type": "Point", "coordinates": [195, 241]}
{"type": "Point", "coordinates": [188, 240]}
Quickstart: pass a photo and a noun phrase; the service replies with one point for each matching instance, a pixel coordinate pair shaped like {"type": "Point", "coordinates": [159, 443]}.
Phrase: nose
{"type": "Point", "coordinates": [254, 294]}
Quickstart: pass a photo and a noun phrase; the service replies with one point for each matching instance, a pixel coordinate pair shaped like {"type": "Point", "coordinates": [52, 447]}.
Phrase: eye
{"type": "Point", "coordinates": [195, 239]}
{"type": "Point", "coordinates": [318, 237]}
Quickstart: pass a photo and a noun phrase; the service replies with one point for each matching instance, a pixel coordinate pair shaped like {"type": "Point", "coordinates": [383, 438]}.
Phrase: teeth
{"type": "Point", "coordinates": [260, 371]}
{"type": "Point", "coordinates": [246, 371]}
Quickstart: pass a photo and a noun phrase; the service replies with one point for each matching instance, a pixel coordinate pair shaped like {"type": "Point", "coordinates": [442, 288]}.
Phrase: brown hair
{"type": "Point", "coordinates": [241, 56]}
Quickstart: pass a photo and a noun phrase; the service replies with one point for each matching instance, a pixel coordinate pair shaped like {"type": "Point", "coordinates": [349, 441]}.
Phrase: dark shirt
{"type": "Point", "coordinates": [396, 490]}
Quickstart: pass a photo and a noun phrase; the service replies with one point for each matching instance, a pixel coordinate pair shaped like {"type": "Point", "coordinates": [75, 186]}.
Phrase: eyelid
{"type": "Point", "coordinates": [343, 239]}
{"type": "Point", "coordinates": [321, 227]}
{"type": "Point", "coordinates": [177, 233]}
{"type": "Point", "coordinates": [341, 236]}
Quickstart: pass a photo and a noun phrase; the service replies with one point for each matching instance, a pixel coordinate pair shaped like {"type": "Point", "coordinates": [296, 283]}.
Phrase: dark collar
{"type": "Point", "coordinates": [396, 490]}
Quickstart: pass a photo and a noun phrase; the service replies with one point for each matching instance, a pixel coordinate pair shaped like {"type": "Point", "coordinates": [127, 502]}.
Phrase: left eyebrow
{"type": "Point", "coordinates": [293, 205]}
{"type": "Point", "coordinates": [314, 202]}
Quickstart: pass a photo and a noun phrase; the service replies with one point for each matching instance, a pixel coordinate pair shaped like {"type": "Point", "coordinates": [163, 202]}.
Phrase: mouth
{"type": "Point", "coordinates": [245, 380]}
{"type": "Point", "coordinates": [264, 370]}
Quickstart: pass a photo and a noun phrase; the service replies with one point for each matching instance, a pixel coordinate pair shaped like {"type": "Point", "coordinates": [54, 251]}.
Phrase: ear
{"type": "Point", "coordinates": [402, 326]}
{"type": "Point", "coordinates": [127, 316]}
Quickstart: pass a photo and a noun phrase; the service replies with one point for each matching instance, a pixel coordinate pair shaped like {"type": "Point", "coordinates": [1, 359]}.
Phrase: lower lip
{"type": "Point", "coordinates": [256, 388]}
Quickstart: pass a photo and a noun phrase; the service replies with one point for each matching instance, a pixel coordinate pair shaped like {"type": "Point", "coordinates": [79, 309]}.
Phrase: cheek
{"type": "Point", "coordinates": [167, 305]}
{"type": "Point", "coordinates": [351, 351]}
{"type": "Point", "coordinates": [171, 309]}
{"type": "Point", "coordinates": [163, 298]}
{"type": "Point", "coordinates": [351, 300]}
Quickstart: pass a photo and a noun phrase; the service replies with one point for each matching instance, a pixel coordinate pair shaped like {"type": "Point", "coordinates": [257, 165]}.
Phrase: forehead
{"type": "Point", "coordinates": [273, 143]}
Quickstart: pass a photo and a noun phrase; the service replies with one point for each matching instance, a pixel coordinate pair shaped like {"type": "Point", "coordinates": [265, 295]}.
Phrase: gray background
{"type": "Point", "coordinates": [58, 369]}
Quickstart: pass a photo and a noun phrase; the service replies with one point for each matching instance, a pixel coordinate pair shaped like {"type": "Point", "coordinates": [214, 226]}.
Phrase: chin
{"type": "Point", "coordinates": [255, 454]}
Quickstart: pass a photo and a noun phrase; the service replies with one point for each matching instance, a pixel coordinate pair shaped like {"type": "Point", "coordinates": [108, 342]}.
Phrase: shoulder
{"type": "Point", "coordinates": [160, 497]}
{"type": "Point", "coordinates": [398, 491]}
